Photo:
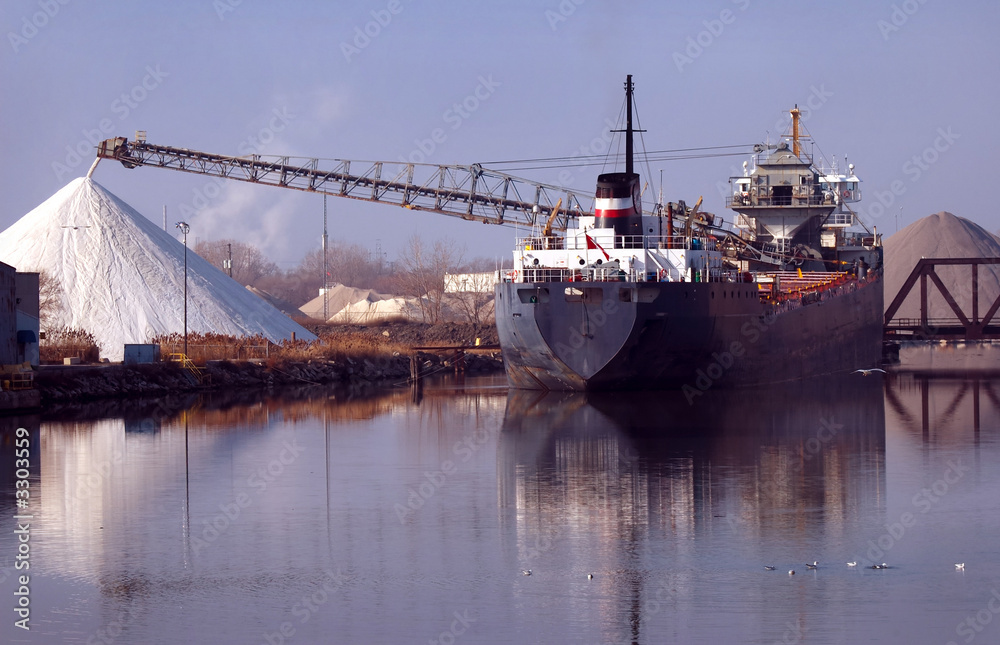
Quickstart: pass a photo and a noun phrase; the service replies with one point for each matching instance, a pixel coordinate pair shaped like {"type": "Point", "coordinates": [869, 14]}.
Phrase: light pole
{"type": "Point", "coordinates": [184, 231]}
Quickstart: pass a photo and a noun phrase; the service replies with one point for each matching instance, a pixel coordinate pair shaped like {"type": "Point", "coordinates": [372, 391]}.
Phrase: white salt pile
{"type": "Point", "coordinates": [941, 235]}
{"type": "Point", "coordinates": [360, 306]}
{"type": "Point", "coordinates": [121, 277]}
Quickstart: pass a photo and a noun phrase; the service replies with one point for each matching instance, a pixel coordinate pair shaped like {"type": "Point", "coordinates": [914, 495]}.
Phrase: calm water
{"type": "Point", "coordinates": [322, 518]}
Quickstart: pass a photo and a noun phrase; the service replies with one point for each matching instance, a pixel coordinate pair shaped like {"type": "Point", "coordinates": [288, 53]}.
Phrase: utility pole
{"type": "Point", "coordinates": [229, 262]}
{"type": "Point", "coordinates": [326, 297]}
{"type": "Point", "coordinates": [183, 226]}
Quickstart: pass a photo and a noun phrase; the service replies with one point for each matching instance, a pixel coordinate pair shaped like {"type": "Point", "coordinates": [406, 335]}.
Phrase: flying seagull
{"type": "Point", "coordinates": [868, 372]}
{"type": "Point", "coordinates": [814, 565]}
{"type": "Point", "coordinates": [526, 572]}
{"type": "Point", "coordinates": [960, 566]}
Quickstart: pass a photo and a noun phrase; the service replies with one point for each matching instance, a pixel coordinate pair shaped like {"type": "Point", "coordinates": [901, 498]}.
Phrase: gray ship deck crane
{"type": "Point", "coordinates": [470, 192]}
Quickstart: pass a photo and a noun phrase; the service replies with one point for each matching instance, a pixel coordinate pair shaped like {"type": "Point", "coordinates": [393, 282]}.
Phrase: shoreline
{"type": "Point", "coordinates": [57, 384]}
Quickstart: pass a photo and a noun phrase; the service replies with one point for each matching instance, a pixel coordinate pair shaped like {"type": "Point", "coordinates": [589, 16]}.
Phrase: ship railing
{"type": "Point", "coordinates": [543, 243]}
{"type": "Point", "coordinates": [574, 243]}
{"type": "Point", "coordinates": [583, 274]}
{"type": "Point", "coordinates": [859, 239]}
{"type": "Point", "coordinates": [762, 198]}
{"type": "Point", "coordinates": [592, 273]}
{"type": "Point", "coordinates": [779, 286]}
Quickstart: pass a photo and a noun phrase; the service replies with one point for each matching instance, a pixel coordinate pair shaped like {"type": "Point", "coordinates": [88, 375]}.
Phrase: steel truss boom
{"type": "Point", "coordinates": [470, 192]}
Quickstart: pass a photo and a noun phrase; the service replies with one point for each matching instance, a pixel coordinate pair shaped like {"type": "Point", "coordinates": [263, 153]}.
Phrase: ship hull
{"type": "Point", "coordinates": [680, 335]}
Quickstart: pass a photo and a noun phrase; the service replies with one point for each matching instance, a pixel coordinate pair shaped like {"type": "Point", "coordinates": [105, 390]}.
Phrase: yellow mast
{"type": "Point", "coordinates": [795, 129]}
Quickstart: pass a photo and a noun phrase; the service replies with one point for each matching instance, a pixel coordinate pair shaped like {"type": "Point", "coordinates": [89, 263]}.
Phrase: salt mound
{"type": "Point", "coordinates": [941, 235]}
{"type": "Point", "coordinates": [121, 277]}
{"type": "Point", "coordinates": [339, 296]}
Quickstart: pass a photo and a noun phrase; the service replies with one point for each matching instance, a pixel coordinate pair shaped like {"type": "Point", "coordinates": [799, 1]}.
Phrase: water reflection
{"type": "Point", "coordinates": [644, 487]}
{"type": "Point", "coordinates": [208, 519]}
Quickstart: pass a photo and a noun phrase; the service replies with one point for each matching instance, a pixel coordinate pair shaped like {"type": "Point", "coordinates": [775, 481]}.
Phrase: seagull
{"type": "Point", "coordinates": [590, 576]}
{"type": "Point", "coordinates": [526, 572]}
{"type": "Point", "coordinates": [868, 372]}
{"type": "Point", "coordinates": [960, 566]}
{"type": "Point", "coordinates": [814, 565]}
{"type": "Point", "coordinates": [880, 566]}
{"type": "Point", "coordinates": [852, 564]}
{"type": "Point", "coordinates": [768, 567]}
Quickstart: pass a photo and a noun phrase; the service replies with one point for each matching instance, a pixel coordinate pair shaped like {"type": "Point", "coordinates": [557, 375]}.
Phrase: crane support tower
{"type": "Point", "coordinates": [470, 192]}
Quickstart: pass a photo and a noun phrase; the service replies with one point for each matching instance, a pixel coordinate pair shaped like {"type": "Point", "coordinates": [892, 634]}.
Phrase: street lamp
{"type": "Point", "coordinates": [183, 226]}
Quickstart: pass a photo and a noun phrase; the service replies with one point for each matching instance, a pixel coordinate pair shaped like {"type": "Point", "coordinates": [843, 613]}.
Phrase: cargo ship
{"type": "Point", "coordinates": [672, 298]}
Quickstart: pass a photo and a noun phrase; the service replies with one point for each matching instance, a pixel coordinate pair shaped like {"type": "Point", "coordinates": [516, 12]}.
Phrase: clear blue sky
{"type": "Point", "coordinates": [908, 90]}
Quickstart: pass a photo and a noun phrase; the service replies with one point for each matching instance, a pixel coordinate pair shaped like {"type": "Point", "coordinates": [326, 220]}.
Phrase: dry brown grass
{"type": "Point", "coordinates": [206, 347]}
{"type": "Point", "coordinates": [66, 342]}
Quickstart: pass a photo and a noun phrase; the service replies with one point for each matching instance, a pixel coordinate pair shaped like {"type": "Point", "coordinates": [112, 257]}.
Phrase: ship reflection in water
{"type": "Point", "coordinates": [379, 517]}
{"type": "Point", "coordinates": [676, 508]}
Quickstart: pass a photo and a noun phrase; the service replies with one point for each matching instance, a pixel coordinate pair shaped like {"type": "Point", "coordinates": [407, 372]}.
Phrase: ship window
{"type": "Point", "coordinates": [625, 295]}
{"type": "Point", "coordinates": [574, 294]}
{"type": "Point", "coordinates": [533, 295]}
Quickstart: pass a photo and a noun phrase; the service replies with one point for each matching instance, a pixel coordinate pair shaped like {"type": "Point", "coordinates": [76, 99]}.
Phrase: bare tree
{"type": "Point", "coordinates": [249, 262]}
{"type": "Point", "coordinates": [422, 273]}
{"type": "Point", "coordinates": [49, 299]}
{"type": "Point", "coordinates": [471, 295]}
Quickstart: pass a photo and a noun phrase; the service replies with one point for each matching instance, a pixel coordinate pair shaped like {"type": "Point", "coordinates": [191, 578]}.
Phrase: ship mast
{"type": "Point", "coordinates": [628, 125]}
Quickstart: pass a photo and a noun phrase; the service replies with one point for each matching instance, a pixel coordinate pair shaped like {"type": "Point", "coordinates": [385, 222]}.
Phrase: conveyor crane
{"type": "Point", "coordinates": [470, 192]}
